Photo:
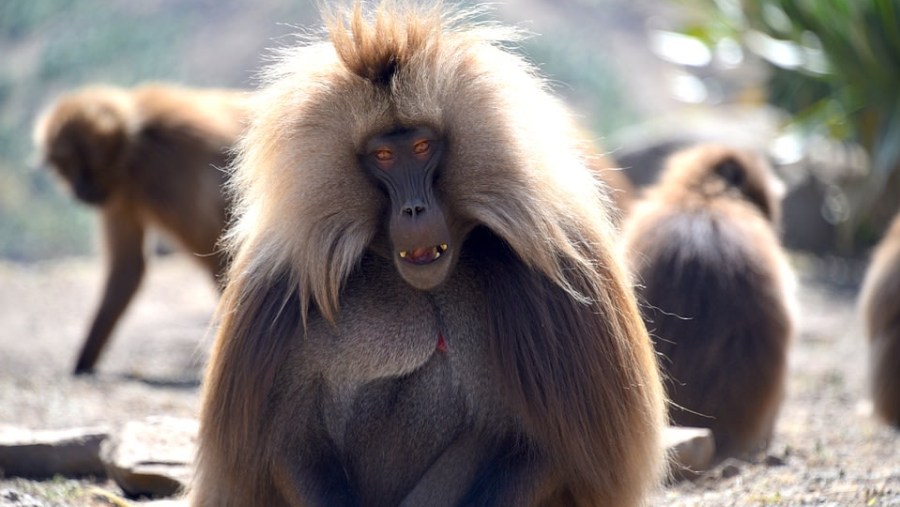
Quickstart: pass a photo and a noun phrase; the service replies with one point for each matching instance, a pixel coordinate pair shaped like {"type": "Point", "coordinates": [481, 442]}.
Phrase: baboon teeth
{"type": "Point", "coordinates": [424, 255]}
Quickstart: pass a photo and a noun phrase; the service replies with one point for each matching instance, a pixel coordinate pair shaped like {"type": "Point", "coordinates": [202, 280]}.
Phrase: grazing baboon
{"type": "Point", "coordinates": [880, 306]}
{"type": "Point", "coordinates": [715, 290]}
{"type": "Point", "coordinates": [424, 307]}
{"type": "Point", "coordinates": [149, 156]}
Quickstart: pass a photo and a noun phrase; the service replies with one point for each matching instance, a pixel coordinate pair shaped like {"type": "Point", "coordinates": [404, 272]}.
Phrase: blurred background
{"type": "Point", "coordinates": [814, 84]}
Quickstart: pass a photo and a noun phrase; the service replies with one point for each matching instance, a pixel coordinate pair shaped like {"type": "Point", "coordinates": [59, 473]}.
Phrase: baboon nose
{"type": "Point", "coordinates": [413, 209]}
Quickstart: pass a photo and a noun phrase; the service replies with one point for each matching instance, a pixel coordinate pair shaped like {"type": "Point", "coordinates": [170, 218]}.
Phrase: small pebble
{"type": "Point", "coordinates": [773, 461]}
{"type": "Point", "coordinates": [729, 471]}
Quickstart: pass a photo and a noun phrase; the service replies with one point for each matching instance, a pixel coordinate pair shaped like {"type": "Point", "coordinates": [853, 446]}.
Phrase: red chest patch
{"type": "Point", "coordinates": [441, 344]}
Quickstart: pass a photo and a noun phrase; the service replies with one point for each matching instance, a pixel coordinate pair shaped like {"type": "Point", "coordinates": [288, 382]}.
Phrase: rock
{"type": "Point", "coordinates": [691, 450]}
{"type": "Point", "coordinates": [13, 498]}
{"type": "Point", "coordinates": [730, 470]}
{"type": "Point", "coordinates": [45, 453]}
{"type": "Point", "coordinates": [803, 223]}
{"type": "Point", "coordinates": [643, 162]}
{"type": "Point", "coordinates": [151, 458]}
{"type": "Point", "coordinates": [773, 461]}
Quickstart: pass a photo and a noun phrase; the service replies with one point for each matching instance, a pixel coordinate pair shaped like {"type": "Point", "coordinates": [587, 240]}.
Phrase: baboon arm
{"type": "Point", "coordinates": [325, 485]}
{"type": "Point", "coordinates": [513, 480]}
{"type": "Point", "coordinates": [449, 476]}
{"type": "Point", "coordinates": [124, 235]}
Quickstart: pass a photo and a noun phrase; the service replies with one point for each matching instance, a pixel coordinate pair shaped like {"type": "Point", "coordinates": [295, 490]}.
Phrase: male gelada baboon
{"type": "Point", "coordinates": [715, 290]}
{"type": "Point", "coordinates": [424, 308]}
{"type": "Point", "coordinates": [880, 306]}
{"type": "Point", "coordinates": [150, 156]}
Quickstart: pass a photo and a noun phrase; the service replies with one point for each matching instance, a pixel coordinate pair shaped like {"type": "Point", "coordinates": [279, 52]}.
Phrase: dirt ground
{"type": "Point", "coordinates": [828, 449]}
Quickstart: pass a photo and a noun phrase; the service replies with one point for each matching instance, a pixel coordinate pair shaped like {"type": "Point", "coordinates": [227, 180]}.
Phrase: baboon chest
{"type": "Point", "coordinates": [401, 425]}
{"type": "Point", "coordinates": [404, 377]}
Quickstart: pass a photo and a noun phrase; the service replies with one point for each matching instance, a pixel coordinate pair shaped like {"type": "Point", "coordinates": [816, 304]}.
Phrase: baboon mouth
{"type": "Point", "coordinates": [423, 255]}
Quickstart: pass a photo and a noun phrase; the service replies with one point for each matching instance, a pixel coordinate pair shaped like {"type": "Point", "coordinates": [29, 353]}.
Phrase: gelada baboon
{"type": "Point", "coordinates": [715, 289]}
{"type": "Point", "coordinates": [424, 308]}
{"type": "Point", "coordinates": [880, 306]}
{"type": "Point", "coordinates": [149, 156]}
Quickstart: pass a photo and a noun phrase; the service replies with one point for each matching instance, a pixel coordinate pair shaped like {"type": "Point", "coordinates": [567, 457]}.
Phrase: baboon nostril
{"type": "Point", "coordinates": [413, 210]}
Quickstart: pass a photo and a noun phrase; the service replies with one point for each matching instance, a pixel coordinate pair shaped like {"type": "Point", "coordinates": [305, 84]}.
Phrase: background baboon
{"type": "Point", "coordinates": [423, 307]}
{"type": "Point", "coordinates": [880, 306]}
{"type": "Point", "coordinates": [151, 156]}
{"type": "Point", "coordinates": [713, 284]}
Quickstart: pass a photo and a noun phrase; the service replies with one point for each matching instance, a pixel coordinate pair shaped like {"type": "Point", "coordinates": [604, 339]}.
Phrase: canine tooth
{"type": "Point", "coordinates": [403, 254]}
{"type": "Point", "coordinates": [436, 254]}
{"type": "Point", "coordinates": [443, 247]}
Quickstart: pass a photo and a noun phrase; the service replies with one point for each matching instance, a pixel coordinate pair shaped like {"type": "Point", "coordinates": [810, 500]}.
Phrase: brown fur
{"type": "Point", "coordinates": [151, 156]}
{"type": "Point", "coordinates": [326, 385]}
{"type": "Point", "coordinates": [880, 307]}
{"type": "Point", "coordinates": [618, 188]}
{"type": "Point", "coordinates": [714, 285]}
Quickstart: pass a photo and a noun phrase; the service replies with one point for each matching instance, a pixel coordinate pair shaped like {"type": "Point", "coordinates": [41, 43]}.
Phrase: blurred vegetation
{"type": "Point", "coordinates": [835, 66]}
{"type": "Point", "coordinates": [583, 74]}
{"type": "Point", "coordinates": [50, 46]}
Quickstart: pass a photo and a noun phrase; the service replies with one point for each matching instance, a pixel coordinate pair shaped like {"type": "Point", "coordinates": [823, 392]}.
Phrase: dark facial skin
{"type": "Point", "coordinates": [406, 162]}
{"type": "Point", "coordinates": [81, 180]}
{"type": "Point", "coordinates": [86, 159]}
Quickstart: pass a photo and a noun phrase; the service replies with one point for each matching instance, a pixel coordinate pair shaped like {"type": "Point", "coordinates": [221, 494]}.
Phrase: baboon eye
{"type": "Point", "coordinates": [383, 155]}
{"type": "Point", "coordinates": [421, 147]}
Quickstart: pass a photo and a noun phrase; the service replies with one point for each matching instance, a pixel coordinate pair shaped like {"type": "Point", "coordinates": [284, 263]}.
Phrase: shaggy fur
{"type": "Point", "coordinates": [715, 288]}
{"type": "Point", "coordinates": [880, 307]}
{"type": "Point", "coordinates": [329, 383]}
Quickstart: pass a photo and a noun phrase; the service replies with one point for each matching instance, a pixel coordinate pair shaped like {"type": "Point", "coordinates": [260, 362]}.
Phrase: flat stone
{"type": "Point", "coordinates": [45, 453]}
{"type": "Point", "coordinates": [691, 450]}
{"type": "Point", "coordinates": [152, 458]}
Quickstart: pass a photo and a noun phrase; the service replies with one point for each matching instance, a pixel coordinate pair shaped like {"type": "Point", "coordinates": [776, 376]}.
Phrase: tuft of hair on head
{"type": "Point", "coordinates": [105, 109]}
{"type": "Point", "coordinates": [714, 170]}
{"type": "Point", "coordinates": [376, 46]}
{"type": "Point", "coordinates": [377, 43]}
{"type": "Point", "coordinates": [731, 170]}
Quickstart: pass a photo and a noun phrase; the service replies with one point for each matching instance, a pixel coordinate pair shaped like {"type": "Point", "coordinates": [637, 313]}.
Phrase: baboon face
{"type": "Point", "coordinates": [86, 153]}
{"type": "Point", "coordinates": [405, 162]}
